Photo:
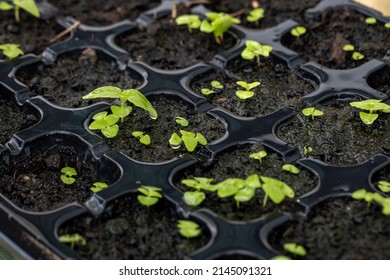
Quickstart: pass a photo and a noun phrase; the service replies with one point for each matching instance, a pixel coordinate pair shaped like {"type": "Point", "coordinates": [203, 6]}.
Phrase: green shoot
{"type": "Point", "coordinates": [105, 123]}
{"type": "Point", "coordinates": [149, 195]}
{"type": "Point", "coordinates": [307, 150]}
{"type": "Point", "coordinates": [371, 105]}
{"type": "Point", "coordinates": [298, 31]}
{"type": "Point", "coordinates": [370, 20]}
{"type": "Point", "coordinates": [206, 91]}
{"type": "Point", "coordinates": [182, 121]}
{"type": "Point", "coordinates": [28, 5]}
{"type": "Point", "coordinates": [295, 249]}
{"type": "Point", "coordinates": [190, 139]}
{"type": "Point", "coordinates": [220, 23]}
{"type": "Point", "coordinates": [255, 49]}
{"type": "Point", "coordinates": [98, 186]}
{"type": "Point", "coordinates": [357, 56]}
{"type": "Point", "coordinates": [143, 138]}
{"type": "Point", "coordinates": [276, 190]}
{"type": "Point", "coordinates": [188, 229]}
{"type": "Point", "coordinates": [259, 155]}
{"type": "Point", "coordinates": [384, 186]}
{"type": "Point", "coordinates": [11, 51]}
{"type": "Point", "coordinates": [67, 175]}
{"type": "Point", "coordinates": [215, 84]}
{"type": "Point", "coordinates": [348, 48]}
{"type": "Point", "coordinates": [192, 21]}
{"type": "Point", "coordinates": [194, 198]}
{"type": "Point", "coordinates": [198, 183]}
{"type": "Point", "coordinates": [73, 239]}
{"type": "Point", "coordinates": [247, 93]}
{"type": "Point", "coordinates": [290, 168]}
{"type": "Point", "coordinates": [313, 112]}
{"type": "Point", "coordinates": [255, 15]}
{"type": "Point", "coordinates": [362, 194]}
{"type": "Point", "coordinates": [387, 25]}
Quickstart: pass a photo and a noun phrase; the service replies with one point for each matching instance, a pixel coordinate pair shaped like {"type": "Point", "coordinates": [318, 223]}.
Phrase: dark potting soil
{"type": "Point", "coordinates": [161, 129]}
{"type": "Point", "coordinates": [93, 12]}
{"type": "Point", "coordinates": [330, 31]}
{"type": "Point", "coordinates": [129, 230]}
{"type": "Point", "coordinates": [339, 228]}
{"type": "Point", "coordinates": [236, 163]}
{"type": "Point", "coordinates": [165, 45]}
{"type": "Point", "coordinates": [32, 181]}
{"type": "Point", "coordinates": [380, 80]}
{"type": "Point", "coordinates": [339, 137]}
{"type": "Point", "coordinates": [74, 75]}
{"type": "Point", "coordinates": [279, 87]}
{"type": "Point", "coordinates": [32, 34]}
{"type": "Point", "coordinates": [13, 120]}
{"type": "Point", "coordinates": [275, 11]}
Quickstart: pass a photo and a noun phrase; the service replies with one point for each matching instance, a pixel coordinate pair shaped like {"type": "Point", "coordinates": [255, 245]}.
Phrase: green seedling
{"type": "Point", "coordinates": [149, 195]}
{"type": "Point", "coordinates": [28, 5]}
{"type": "Point", "coordinates": [384, 186]}
{"type": "Point", "coordinates": [254, 49]}
{"type": "Point", "coordinates": [220, 23]}
{"type": "Point", "coordinates": [357, 56]}
{"type": "Point", "coordinates": [143, 138]}
{"type": "Point", "coordinates": [295, 249]}
{"type": "Point", "coordinates": [11, 51]}
{"type": "Point", "coordinates": [290, 168]}
{"type": "Point", "coordinates": [215, 85]}
{"type": "Point", "coordinates": [73, 239]}
{"type": "Point", "coordinates": [370, 20]}
{"type": "Point", "coordinates": [255, 15]}
{"type": "Point", "coordinates": [247, 93]}
{"type": "Point", "coordinates": [98, 186]}
{"type": "Point", "coordinates": [348, 48]}
{"type": "Point", "coordinates": [107, 123]}
{"type": "Point", "coordinates": [199, 184]}
{"type": "Point", "coordinates": [259, 155]}
{"type": "Point", "coordinates": [373, 106]}
{"type": "Point", "coordinates": [182, 121]}
{"type": "Point", "coordinates": [313, 112]}
{"type": "Point", "coordinates": [188, 229]}
{"type": "Point", "coordinates": [387, 25]}
{"type": "Point", "coordinates": [307, 150]}
{"type": "Point", "coordinates": [67, 175]}
{"type": "Point", "coordinates": [190, 140]}
{"type": "Point", "coordinates": [192, 21]}
{"type": "Point", "coordinates": [362, 194]}
{"type": "Point", "coordinates": [276, 190]}
{"type": "Point", "coordinates": [298, 31]}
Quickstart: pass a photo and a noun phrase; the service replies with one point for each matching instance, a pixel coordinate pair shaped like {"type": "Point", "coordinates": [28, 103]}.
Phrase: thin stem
{"type": "Point", "coordinates": [17, 14]}
{"type": "Point", "coordinates": [265, 200]}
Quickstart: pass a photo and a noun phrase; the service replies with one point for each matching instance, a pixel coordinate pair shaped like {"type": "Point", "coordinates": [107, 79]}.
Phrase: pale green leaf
{"type": "Point", "coordinates": [29, 6]}
{"type": "Point", "coordinates": [190, 143]}
{"type": "Point", "coordinates": [201, 139]}
{"type": "Point", "coordinates": [104, 92]}
{"type": "Point", "coordinates": [110, 131]}
{"type": "Point", "coordinates": [243, 94]}
{"type": "Point", "coordinates": [194, 198]}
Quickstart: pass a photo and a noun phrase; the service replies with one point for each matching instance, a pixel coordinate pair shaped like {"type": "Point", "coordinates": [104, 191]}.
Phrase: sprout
{"type": "Point", "coordinates": [105, 123]}
{"type": "Point", "coordinates": [357, 56]}
{"type": "Point", "coordinates": [143, 138]}
{"type": "Point", "coordinates": [362, 194]}
{"type": "Point", "coordinates": [220, 23]}
{"type": "Point", "coordinates": [259, 155]}
{"type": "Point", "coordinates": [371, 105]}
{"type": "Point", "coordinates": [11, 51]}
{"type": "Point", "coordinates": [192, 21]}
{"type": "Point", "coordinates": [188, 229]}
{"type": "Point", "coordinates": [295, 249]}
{"type": "Point", "coordinates": [182, 121]}
{"type": "Point", "coordinates": [276, 190]}
{"type": "Point", "coordinates": [28, 5]}
{"type": "Point", "coordinates": [190, 140]}
{"type": "Point", "coordinates": [298, 31]}
{"type": "Point", "coordinates": [215, 84]}
{"type": "Point", "coordinates": [247, 93]}
{"type": "Point", "coordinates": [67, 176]}
{"type": "Point", "coordinates": [307, 150]}
{"type": "Point", "coordinates": [255, 49]}
{"type": "Point", "coordinates": [73, 239]}
{"type": "Point", "coordinates": [149, 195]}
{"type": "Point", "coordinates": [313, 112]}
{"type": "Point", "coordinates": [384, 186]}
{"type": "Point", "coordinates": [199, 183]}
{"type": "Point", "coordinates": [290, 168]}
{"type": "Point", "coordinates": [370, 20]}
{"type": "Point", "coordinates": [348, 48]}
{"type": "Point", "coordinates": [255, 15]}
{"type": "Point", "coordinates": [98, 186]}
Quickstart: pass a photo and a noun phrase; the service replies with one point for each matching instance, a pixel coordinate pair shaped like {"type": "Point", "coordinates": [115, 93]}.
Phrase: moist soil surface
{"type": "Point", "coordinates": [328, 33]}
{"type": "Point", "coordinates": [161, 129]}
{"type": "Point", "coordinates": [279, 87]}
{"type": "Point", "coordinates": [12, 120]}
{"type": "Point", "coordinates": [237, 164]}
{"type": "Point", "coordinates": [129, 230]}
{"type": "Point", "coordinates": [338, 137]}
{"type": "Point", "coordinates": [74, 75]}
{"type": "Point", "coordinates": [32, 181]}
{"type": "Point", "coordinates": [340, 228]}
{"type": "Point", "coordinates": [380, 80]}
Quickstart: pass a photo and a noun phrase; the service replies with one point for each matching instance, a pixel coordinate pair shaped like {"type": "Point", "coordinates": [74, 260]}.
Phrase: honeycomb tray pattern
{"type": "Point", "coordinates": [32, 235]}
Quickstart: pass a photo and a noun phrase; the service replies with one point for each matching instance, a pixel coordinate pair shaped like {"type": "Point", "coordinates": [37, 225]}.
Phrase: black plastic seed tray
{"type": "Point", "coordinates": [60, 136]}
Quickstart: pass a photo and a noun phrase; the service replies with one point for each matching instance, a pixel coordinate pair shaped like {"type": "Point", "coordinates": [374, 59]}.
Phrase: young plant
{"type": "Point", "coordinates": [295, 249]}
{"type": "Point", "coordinates": [384, 186]}
{"type": "Point", "coordinates": [190, 140]}
{"type": "Point", "coordinates": [351, 49]}
{"type": "Point", "coordinates": [220, 23]}
{"type": "Point", "coordinates": [370, 21]}
{"type": "Point", "coordinates": [373, 106]}
{"type": "Point", "coordinates": [298, 31]}
{"type": "Point", "coordinates": [387, 25]}
{"type": "Point", "coordinates": [149, 195]}
{"type": "Point", "coordinates": [313, 112]}
{"type": "Point", "coordinates": [199, 184]}
{"type": "Point", "coordinates": [105, 123]}
{"type": "Point", "coordinates": [73, 239]}
{"type": "Point", "coordinates": [215, 84]}
{"type": "Point", "coordinates": [362, 194]}
{"type": "Point", "coordinates": [143, 138]}
{"type": "Point", "coordinates": [188, 229]}
{"type": "Point", "coordinates": [307, 150]}
{"type": "Point", "coordinates": [11, 51]}
{"type": "Point", "coordinates": [192, 21]}
{"type": "Point", "coordinates": [276, 190]}
{"type": "Point", "coordinates": [182, 121]}
{"type": "Point", "coordinates": [67, 175]}
{"type": "Point", "coordinates": [247, 93]}
{"type": "Point", "coordinates": [28, 5]}
{"type": "Point", "coordinates": [255, 15]}
{"type": "Point", "coordinates": [98, 186]}
{"type": "Point", "coordinates": [290, 168]}
{"type": "Point", "coordinates": [255, 49]}
{"type": "Point", "coordinates": [259, 155]}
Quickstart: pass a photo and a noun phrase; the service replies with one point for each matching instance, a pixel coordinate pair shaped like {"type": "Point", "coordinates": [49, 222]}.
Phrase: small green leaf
{"type": "Point", "coordinates": [201, 139]}
{"type": "Point", "coordinates": [290, 168]}
{"type": "Point", "coordinates": [244, 195]}
{"type": "Point", "coordinates": [274, 192]}
{"type": "Point", "coordinates": [253, 181]}
{"type": "Point", "coordinates": [357, 56]}
{"type": "Point", "coordinates": [206, 27]}
{"type": "Point", "coordinates": [307, 150]}
{"type": "Point", "coordinates": [298, 31]}
{"type": "Point", "coordinates": [348, 48]}
{"type": "Point", "coordinates": [206, 91]}
{"type": "Point", "coordinates": [104, 92]}
{"type": "Point", "coordinates": [295, 249]}
{"type": "Point", "coordinates": [259, 155]}
{"type": "Point", "coordinates": [4, 6]}
{"type": "Point", "coordinates": [69, 171]}
{"type": "Point", "coordinates": [216, 84]}
{"type": "Point", "coordinates": [193, 21]}
{"type": "Point", "coordinates": [370, 20]}
{"type": "Point", "coordinates": [188, 229]}
{"type": "Point", "coordinates": [121, 112]}
{"type": "Point", "coordinates": [187, 133]}
{"type": "Point", "coordinates": [190, 143]}
{"type": "Point", "coordinates": [247, 54]}
{"type": "Point", "coordinates": [67, 180]}
{"type": "Point", "coordinates": [387, 25]}
{"type": "Point", "coordinates": [368, 118]}
{"type": "Point", "coordinates": [175, 140]}
{"type": "Point", "coordinates": [384, 186]}
{"type": "Point", "coordinates": [182, 121]}
{"type": "Point", "coordinates": [110, 131]}
{"type": "Point", "coordinates": [29, 6]}
{"type": "Point", "coordinates": [229, 187]}
{"type": "Point", "coordinates": [150, 191]}
{"type": "Point", "coordinates": [311, 111]}
{"type": "Point", "coordinates": [359, 194]}
{"type": "Point", "coordinates": [255, 15]}
{"type": "Point", "coordinates": [139, 100]}
{"type": "Point", "coordinates": [243, 94]}
{"type": "Point", "coordinates": [11, 51]}
{"type": "Point", "coordinates": [137, 133]}
{"type": "Point", "coordinates": [146, 200]}
{"type": "Point", "coordinates": [194, 198]}
{"type": "Point", "coordinates": [145, 139]}
{"type": "Point", "coordinates": [98, 186]}
{"type": "Point", "coordinates": [281, 258]}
